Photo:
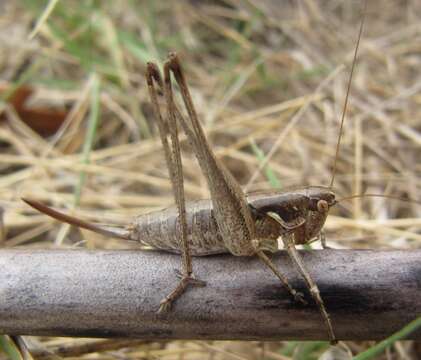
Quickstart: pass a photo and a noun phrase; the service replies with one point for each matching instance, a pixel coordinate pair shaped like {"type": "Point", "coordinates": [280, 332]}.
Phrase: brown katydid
{"type": "Point", "coordinates": [231, 221]}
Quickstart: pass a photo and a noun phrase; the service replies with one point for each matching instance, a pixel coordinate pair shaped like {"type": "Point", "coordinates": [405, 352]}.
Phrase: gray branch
{"type": "Point", "coordinates": [369, 295]}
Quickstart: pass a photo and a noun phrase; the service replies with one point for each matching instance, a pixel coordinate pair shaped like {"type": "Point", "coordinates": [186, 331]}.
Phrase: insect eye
{"type": "Point", "coordinates": [322, 206]}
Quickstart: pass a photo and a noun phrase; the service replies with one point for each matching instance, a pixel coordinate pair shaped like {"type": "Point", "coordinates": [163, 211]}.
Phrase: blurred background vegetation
{"type": "Point", "coordinates": [77, 131]}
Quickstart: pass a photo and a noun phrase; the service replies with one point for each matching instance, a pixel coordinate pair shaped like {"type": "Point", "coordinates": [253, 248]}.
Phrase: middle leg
{"type": "Point", "coordinates": [288, 240]}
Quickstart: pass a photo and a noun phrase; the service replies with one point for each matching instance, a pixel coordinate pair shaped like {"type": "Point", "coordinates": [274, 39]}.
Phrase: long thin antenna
{"type": "Point", "coordinates": [347, 95]}
{"type": "Point", "coordinates": [379, 195]}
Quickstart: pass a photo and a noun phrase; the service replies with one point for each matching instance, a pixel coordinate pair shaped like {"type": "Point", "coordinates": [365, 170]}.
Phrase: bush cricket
{"type": "Point", "coordinates": [231, 221]}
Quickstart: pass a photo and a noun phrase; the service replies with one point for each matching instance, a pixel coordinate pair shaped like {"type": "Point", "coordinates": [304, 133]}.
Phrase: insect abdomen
{"type": "Point", "coordinates": [160, 230]}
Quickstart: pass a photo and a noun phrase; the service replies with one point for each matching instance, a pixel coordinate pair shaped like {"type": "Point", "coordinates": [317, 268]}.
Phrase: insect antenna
{"type": "Point", "coordinates": [409, 200]}
{"type": "Point", "coordinates": [342, 123]}
{"type": "Point", "coordinates": [347, 96]}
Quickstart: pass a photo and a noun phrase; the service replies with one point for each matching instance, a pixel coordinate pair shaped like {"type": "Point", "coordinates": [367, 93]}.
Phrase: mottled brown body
{"type": "Point", "coordinates": [160, 229]}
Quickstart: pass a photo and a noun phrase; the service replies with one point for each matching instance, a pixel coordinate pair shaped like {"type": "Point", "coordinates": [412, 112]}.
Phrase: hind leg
{"type": "Point", "coordinates": [169, 138]}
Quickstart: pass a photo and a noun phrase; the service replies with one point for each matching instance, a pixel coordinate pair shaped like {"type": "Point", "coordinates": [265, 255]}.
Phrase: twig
{"type": "Point", "coordinates": [369, 295]}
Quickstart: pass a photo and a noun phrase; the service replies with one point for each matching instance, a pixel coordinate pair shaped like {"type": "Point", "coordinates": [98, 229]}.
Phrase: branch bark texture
{"type": "Point", "coordinates": [369, 295]}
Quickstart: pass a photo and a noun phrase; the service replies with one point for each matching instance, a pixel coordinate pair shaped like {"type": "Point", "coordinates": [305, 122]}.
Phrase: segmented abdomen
{"type": "Point", "coordinates": [159, 229]}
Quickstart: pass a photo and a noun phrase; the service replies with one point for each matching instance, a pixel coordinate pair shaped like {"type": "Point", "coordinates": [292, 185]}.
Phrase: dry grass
{"type": "Point", "coordinates": [251, 66]}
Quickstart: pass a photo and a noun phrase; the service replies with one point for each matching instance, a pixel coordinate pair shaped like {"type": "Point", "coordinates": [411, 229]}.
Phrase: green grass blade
{"type": "Point", "coordinates": [270, 175]}
{"type": "Point", "coordinates": [381, 346]}
{"type": "Point", "coordinates": [84, 48]}
{"type": "Point", "coordinates": [310, 350]}
{"type": "Point", "coordinates": [87, 147]}
{"type": "Point", "coordinates": [43, 18]}
{"type": "Point", "coordinates": [289, 348]}
{"type": "Point", "coordinates": [9, 348]}
{"type": "Point", "coordinates": [136, 48]}
{"type": "Point", "coordinates": [113, 46]}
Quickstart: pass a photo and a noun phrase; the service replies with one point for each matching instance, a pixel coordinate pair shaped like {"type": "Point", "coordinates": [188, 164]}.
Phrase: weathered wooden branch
{"type": "Point", "coordinates": [369, 295]}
